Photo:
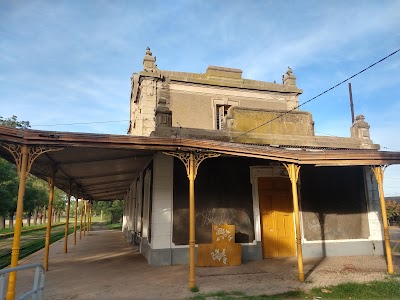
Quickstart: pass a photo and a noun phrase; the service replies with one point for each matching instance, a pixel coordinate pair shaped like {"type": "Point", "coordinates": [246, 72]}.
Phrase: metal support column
{"type": "Point", "coordinates": [22, 167]}
{"type": "Point", "coordinates": [192, 162]}
{"type": "Point", "coordinates": [67, 220]}
{"type": "Point", "coordinates": [80, 228]}
{"type": "Point", "coordinates": [293, 171]}
{"type": "Point", "coordinates": [76, 218]}
{"type": "Point", "coordinates": [378, 172]}
{"type": "Point", "coordinates": [85, 217]}
{"type": "Point", "coordinates": [90, 216]}
{"type": "Point", "coordinates": [49, 219]}
{"type": "Point", "coordinates": [192, 220]}
{"type": "Point", "coordinates": [24, 157]}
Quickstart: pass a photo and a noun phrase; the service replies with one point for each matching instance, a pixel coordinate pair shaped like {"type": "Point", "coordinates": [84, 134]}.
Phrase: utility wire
{"type": "Point", "coordinates": [390, 149]}
{"type": "Point", "coordinates": [383, 147]}
{"type": "Point", "coordinates": [313, 98]}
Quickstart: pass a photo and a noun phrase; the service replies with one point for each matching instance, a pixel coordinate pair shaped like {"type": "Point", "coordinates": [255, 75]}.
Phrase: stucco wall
{"type": "Point", "coordinates": [333, 203]}
{"type": "Point", "coordinates": [162, 202]}
{"type": "Point", "coordinates": [293, 123]}
{"type": "Point", "coordinates": [223, 195]}
{"type": "Point", "coordinates": [374, 207]}
{"type": "Point", "coordinates": [194, 106]}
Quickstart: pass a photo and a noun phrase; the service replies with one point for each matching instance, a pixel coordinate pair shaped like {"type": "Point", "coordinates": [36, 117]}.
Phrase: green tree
{"type": "Point", "coordinates": [116, 211]}
{"type": "Point", "coordinates": [36, 196]}
{"type": "Point", "coordinates": [13, 122]}
{"type": "Point", "coordinates": [112, 210]}
{"type": "Point", "coordinates": [59, 202]}
{"type": "Point", "coordinates": [392, 210]}
{"type": "Point", "coordinates": [8, 190]}
{"type": "Point", "coordinates": [9, 183]}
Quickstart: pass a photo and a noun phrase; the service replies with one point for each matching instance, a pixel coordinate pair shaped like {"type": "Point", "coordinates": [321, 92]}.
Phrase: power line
{"type": "Point", "coordinates": [83, 123]}
{"type": "Point", "coordinates": [390, 149]}
{"type": "Point", "coordinates": [313, 98]}
{"type": "Point", "coordinates": [329, 134]}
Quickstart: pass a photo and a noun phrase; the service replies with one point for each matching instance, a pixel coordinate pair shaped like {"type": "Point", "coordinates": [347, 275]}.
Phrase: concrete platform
{"type": "Point", "coordinates": [103, 266]}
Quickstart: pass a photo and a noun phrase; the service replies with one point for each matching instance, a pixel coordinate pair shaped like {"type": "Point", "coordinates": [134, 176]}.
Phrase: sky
{"type": "Point", "coordinates": [70, 62]}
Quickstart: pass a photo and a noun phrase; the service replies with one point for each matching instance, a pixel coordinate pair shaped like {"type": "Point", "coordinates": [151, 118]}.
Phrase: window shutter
{"type": "Point", "coordinates": [221, 117]}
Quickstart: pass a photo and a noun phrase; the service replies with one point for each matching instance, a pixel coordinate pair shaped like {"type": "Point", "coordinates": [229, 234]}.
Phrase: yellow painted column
{"type": "Point", "coordinates": [90, 216]}
{"type": "Point", "coordinates": [192, 162]}
{"type": "Point", "coordinates": [192, 220]}
{"type": "Point", "coordinates": [18, 225]}
{"type": "Point", "coordinates": [293, 171]}
{"type": "Point", "coordinates": [80, 229]}
{"type": "Point", "coordinates": [49, 217]}
{"type": "Point", "coordinates": [378, 171]}
{"type": "Point", "coordinates": [67, 221]}
{"type": "Point", "coordinates": [85, 222]}
{"type": "Point", "coordinates": [88, 222]}
{"type": "Point", "coordinates": [76, 219]}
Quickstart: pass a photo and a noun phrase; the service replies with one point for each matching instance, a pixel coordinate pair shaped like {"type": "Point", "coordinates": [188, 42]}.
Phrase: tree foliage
{"type": "Point", "coordinates": [8, 187]}
{"type": "Point", "coordinates": [36, 194]}
{"type": "Point", "coordinates": [13, 122]}
{"type": "Point", "coordinates": [36, 190]}
{"type": "Point", "coordinates": [112, 210]}
{"type": "Point", "coordinates": [392, 210]}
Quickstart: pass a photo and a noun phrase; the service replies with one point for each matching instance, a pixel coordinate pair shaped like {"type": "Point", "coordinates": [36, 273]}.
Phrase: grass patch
{"type": "Point", "coordinates": [115, 226]}
{"type": "Point", "coordinates": [194, 289]}
{"type": "Point", "coordinates": [386, 289]}
{"type": "Point", "coordinates": [6, 232]}
{"type": "Point", "coordinates": [35, 243]}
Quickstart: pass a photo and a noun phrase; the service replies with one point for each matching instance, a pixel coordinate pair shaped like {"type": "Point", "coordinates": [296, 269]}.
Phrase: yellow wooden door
{"type": "Point", "coordinates": [277, 225]}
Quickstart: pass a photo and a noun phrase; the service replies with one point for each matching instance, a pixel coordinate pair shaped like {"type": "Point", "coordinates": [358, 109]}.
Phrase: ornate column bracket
{"type": "Point", "coordinates": [293, 171]}
{"type": "Point", "coordinates": [379, 171]}
{"type": "Point", "coordinates": [198, 159]}
{"type": "Point", "coordinates": [16, 151]}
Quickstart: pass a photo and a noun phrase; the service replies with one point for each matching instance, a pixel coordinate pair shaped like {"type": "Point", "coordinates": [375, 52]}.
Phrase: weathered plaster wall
{"type": "Point", "coordinates": [223, 195]}
{"type": "Point", "coordinates": [142, 113]}
{"type": "Point", "coordinates": [138, 211]}
{"type": "Point", "coordinates": [374, 207]}
{"type": "Point", "coordinates": [162, 201]}
{"type": "Point", "coordinates": [194, 106]}
{"type": "Point", "coordinates": [333, 203]}
{"type": "Point", "coordinates": [191, 110]}
{"type": "Point", "coordinates": [128, 220]}
{"type": "Point", "coordinates": [294, 123]}
{"type": "Point", "coordinates": [147, 181]}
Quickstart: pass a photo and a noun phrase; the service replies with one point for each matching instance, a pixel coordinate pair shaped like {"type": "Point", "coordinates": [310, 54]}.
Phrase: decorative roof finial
{"type": "Point", "coordinates": [148, 61]}
{"type": "Point", "coordinates": [289, 78]}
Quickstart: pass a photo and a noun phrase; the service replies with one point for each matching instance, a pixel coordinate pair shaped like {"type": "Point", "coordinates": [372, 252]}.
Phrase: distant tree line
{"type": "Point", "coordinates": [393, 212]}
{"type": "Point", "coordinates": [35, 200]}
{"type": "Point", "coordinates": [36, 192]}
{"type": "Point", "coordinates": [110, 210]}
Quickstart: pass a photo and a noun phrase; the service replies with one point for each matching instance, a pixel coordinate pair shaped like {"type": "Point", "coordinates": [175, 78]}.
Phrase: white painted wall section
{"type": "Point", "coordinates": [161, 222]}
{"type": "Point", "coordinates": [374, 207]}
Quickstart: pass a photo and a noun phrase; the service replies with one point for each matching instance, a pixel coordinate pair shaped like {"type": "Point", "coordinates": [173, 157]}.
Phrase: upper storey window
{"type": "Point", "coordinates": [222, 110]}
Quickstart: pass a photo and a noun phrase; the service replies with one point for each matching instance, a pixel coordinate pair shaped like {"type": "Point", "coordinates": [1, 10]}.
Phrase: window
{"type": "Point", "coordinates": [222, 110]}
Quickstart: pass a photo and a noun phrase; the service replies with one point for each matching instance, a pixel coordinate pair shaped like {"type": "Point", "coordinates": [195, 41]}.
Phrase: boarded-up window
{"type": "Point", "coordinates": [222, 195]}
{"type": "Point", "coordinates": [333, 203]}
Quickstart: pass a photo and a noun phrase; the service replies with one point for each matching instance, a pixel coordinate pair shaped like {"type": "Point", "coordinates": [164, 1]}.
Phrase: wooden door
{"type": "Point", "coordinates": [277, 224]}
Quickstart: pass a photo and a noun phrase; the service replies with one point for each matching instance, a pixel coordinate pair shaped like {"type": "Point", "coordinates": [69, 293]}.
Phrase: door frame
{"type": "Point", "coordinates": [273, 170]}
